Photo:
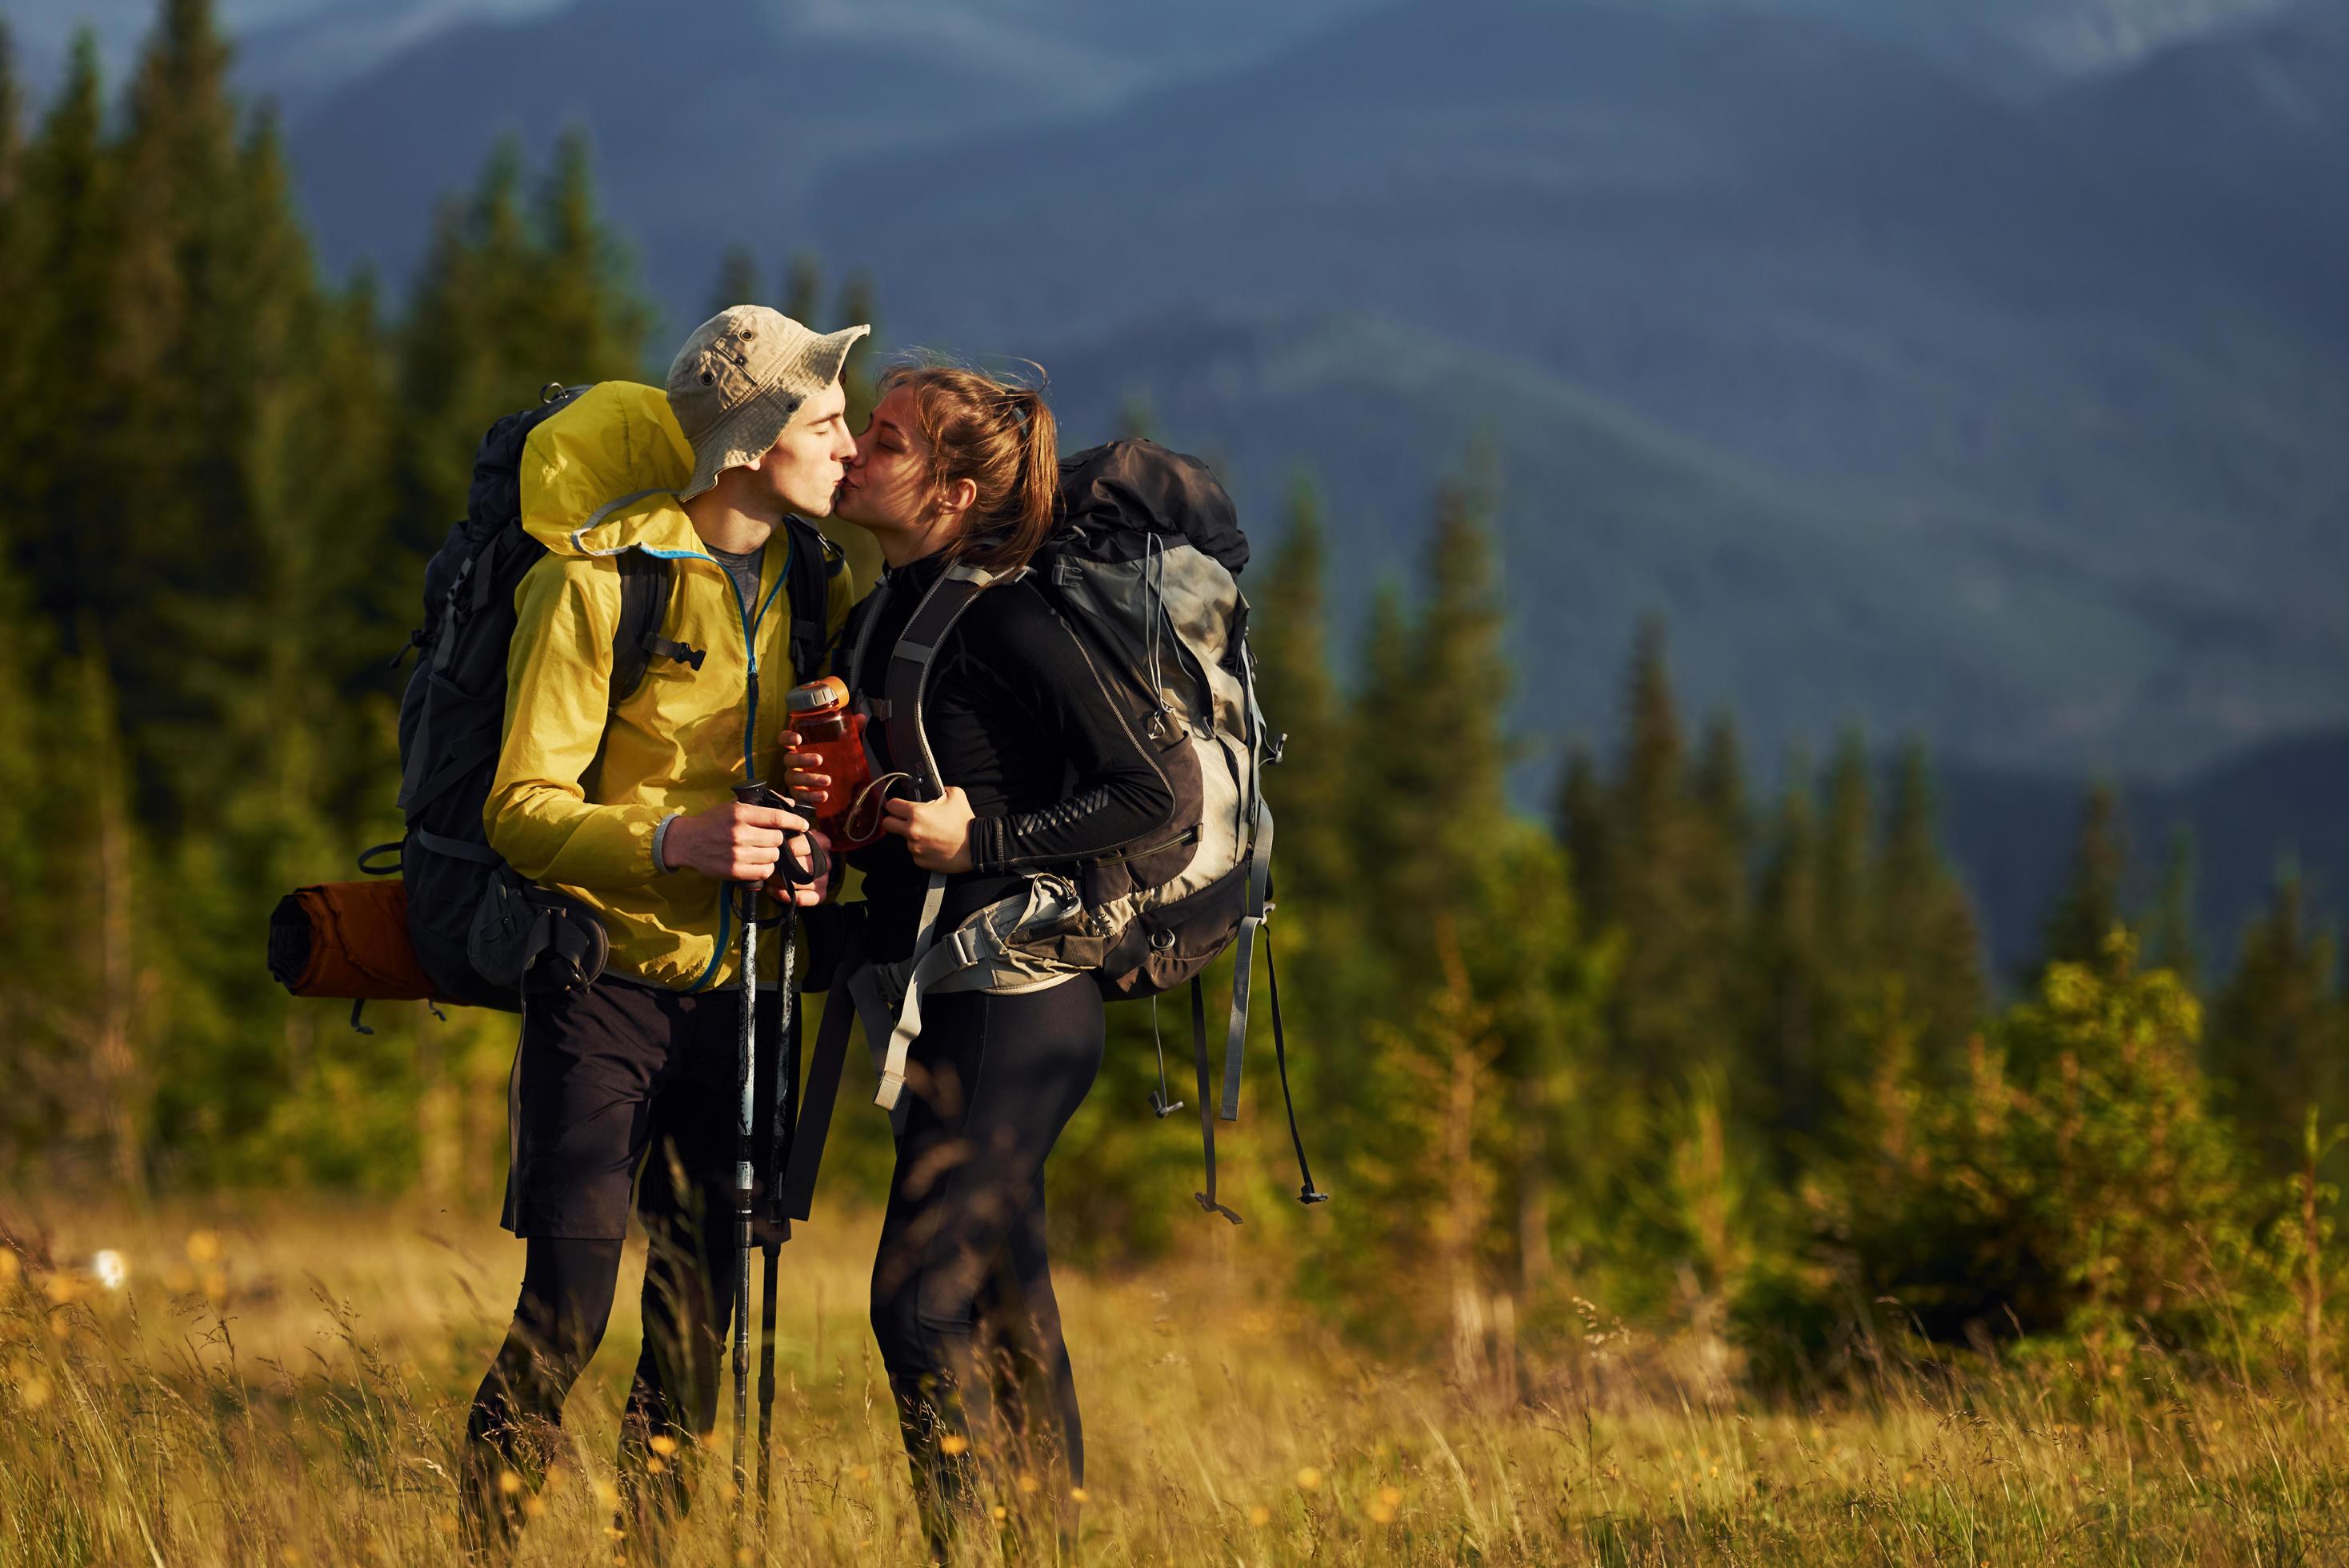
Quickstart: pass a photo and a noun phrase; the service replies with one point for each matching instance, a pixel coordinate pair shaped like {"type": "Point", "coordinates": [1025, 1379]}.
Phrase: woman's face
{"type": "Point", "coordinates": [886, 487]}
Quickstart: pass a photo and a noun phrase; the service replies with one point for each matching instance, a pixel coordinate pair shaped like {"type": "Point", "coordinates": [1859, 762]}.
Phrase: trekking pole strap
{"type": "Point", "coordinates": [1207, 1105]}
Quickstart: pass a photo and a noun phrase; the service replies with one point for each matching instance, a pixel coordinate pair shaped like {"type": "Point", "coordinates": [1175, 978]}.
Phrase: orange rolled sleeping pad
{"type": "Point", "coordinates": [347, 939]}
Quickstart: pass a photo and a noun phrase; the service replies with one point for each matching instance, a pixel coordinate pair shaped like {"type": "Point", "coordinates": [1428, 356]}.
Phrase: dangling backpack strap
{"type": "Point", "coordinates": [1308, 1193]}
{"type": "Point", "coordinates": [1259, 890]}
{"type": "Point", "coordinates": [1206, 1107]}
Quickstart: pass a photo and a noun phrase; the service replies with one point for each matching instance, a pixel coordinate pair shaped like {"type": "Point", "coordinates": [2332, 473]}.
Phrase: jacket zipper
{"type": "Point", "coordinates": [749, 736]}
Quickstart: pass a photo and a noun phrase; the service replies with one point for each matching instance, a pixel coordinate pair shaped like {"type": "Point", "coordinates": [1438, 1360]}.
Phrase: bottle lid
{"type": "Point", "coordinates": [817, 697]}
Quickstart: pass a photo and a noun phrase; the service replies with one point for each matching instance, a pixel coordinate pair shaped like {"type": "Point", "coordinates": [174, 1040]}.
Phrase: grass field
{"type": "Point", "coordinates": [271, 1386]}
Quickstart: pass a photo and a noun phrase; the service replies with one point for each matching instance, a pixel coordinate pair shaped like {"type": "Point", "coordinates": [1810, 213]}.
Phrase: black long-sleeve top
{"type": "Point", "coordinates": [1017, 717]}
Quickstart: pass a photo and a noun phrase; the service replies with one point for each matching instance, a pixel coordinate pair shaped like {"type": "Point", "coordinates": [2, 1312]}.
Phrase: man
{"type": "Point", "coordinates": [633, 1080]}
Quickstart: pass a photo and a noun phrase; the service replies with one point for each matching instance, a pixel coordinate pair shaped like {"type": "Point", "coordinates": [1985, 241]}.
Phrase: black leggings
{"type": "Point", "coordinates": [962, 1290]}
{"type": "Point", "coordinates": [567, 1287]}
{"type": "Point", "coordinates": [628, 1100]}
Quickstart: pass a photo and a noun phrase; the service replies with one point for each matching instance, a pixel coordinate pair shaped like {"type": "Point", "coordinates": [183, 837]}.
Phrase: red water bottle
{"type": "Point", "coordinates": [827, 725]}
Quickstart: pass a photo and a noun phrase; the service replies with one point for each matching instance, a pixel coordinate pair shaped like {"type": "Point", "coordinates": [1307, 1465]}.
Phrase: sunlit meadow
{"type": "Point", "coordinates": [247, 1386]}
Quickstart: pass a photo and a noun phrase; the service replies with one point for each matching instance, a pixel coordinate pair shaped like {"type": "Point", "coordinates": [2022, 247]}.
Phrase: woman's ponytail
{"type": "Point", "coordinates": [1000, 435]}
{"type": "Point", "coordinates": [1036, 504]}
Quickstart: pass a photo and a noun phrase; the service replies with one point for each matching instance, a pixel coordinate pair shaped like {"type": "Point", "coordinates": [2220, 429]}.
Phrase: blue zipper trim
{"type": "Point", "coordinates": [750, 733]}
{"type": "Point", "coordinates": [717, 953]}
{"type": "Point", "coordinates": [750, 648]}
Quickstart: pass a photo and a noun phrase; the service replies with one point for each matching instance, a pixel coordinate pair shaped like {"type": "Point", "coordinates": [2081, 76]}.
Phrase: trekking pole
{"type": "Point", "coordinates": [745, 1171]}
{"type": "Point", "coordinates": [746, 1112]}
{"type": "Point", "coordinates": [782, 1112]}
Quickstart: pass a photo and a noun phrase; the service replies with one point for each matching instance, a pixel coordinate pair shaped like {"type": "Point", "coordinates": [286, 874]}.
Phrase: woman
{"type": "Point", "coordinates": [1041, 773]}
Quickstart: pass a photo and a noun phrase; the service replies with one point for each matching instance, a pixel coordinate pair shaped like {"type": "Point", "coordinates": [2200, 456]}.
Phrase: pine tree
{"type": "Point", "coordinates": [505, 303]}
{"type": "Point", "coordinates": [1289, 628]}
{"type": "Point", "coordinates": [2090, 907]}
{"type": "Point", "coordinates": [1929, 945]}
{"type": "Point", "coordinates": [1666, 1009]}
{"type": "Point", "coordinates": [590, 321]}
{"type": "Point", "coordinates": [1580, 820]}
{"type": "Point", "coordinates": [1384, 805]}
{"type": "Point", "coordinates": [1136, 418]}
{"type": "Point", "coordinates": [1720, 873]}
{"type": "Point", "coordinates": [16, 277]}
{"type": "Point", "coordinates": [737, 282]}
{"type": "Point", "coordinates": [1719, 787]}
{"type": "Point", "coordinates": [860, 376]}
{"type": "Point", "coordinates": [1846, 850]}
{"type": "Point", "coordinates": [802, 287]}
{"type": "Point", "coordinates": [27, 923]}
{"type": "Point", "coordinates": [11, 112]}
{"type": "Point", "coordinates": [1462, 682]}
{"type": "Point", "coordinates": [2279, 1029]}
{"type": "Point", "coordinates": [51, 444]}
{"type": "Point", "coordinates": [1790, 1092]}
{"type": "Point", "coordinates": [2169, 937]}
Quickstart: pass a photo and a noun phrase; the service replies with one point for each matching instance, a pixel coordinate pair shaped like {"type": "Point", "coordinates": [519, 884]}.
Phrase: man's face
{"type": "Point", "coordinates": [803, 469]}
{"type": "Point", "coordinates": [888, 486]}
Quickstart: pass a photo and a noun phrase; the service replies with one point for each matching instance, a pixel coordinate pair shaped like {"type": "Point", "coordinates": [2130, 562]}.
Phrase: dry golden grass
{"type": "Point", "coordinates": [273, 1386]}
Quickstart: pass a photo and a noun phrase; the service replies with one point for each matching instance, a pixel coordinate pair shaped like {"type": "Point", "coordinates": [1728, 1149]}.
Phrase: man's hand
{"type": "Point", "coordinates": [732, 842]}
{"type": "Point", "coordinates": [937, 832]}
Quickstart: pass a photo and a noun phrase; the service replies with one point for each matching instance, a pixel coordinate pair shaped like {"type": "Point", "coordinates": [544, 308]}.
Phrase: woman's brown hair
{"type": "Point", "coordinates": [1000, 435]}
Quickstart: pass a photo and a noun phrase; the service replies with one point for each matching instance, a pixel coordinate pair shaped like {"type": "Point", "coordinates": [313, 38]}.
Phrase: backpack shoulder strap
{"type": "Point", "coordinates": [910, 670]}
{"type": "Point", "coordinates": [815, 561]}
{"type": "Point", "coordinates": [636, 636]}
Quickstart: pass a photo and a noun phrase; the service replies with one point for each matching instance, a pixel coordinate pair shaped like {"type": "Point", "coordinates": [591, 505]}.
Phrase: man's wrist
{"type": "Point", "coordinates": [660, 843]}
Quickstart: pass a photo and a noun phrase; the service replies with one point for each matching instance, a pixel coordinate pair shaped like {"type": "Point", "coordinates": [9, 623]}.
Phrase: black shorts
{"type": "Point", "coordinates": [609, 1075]}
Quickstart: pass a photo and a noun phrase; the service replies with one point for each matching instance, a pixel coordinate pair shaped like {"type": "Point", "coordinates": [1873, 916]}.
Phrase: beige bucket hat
{"type": "Point", "coordinates": [740, 377]}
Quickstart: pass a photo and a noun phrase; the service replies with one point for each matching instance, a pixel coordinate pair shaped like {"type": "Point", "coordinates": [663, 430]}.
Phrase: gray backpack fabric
{"type": "Point", "coordinates": [1143, 568]}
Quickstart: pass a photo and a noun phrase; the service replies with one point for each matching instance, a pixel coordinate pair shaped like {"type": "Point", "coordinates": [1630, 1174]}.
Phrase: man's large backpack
{"type": "Point", "coordinates": [1144, 567]}
{"type": "Point", "coordinates": [482, 933]}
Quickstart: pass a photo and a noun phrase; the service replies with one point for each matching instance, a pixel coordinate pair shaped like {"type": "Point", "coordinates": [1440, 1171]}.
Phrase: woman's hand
{"type": "Point", "coordinates": [803, 779]}
{"type": "Point", "coordinates": [937, 832]}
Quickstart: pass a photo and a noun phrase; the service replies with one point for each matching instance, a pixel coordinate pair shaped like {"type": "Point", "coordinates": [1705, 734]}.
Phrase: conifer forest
{"type": "Point", "coordinates": [1700, 1070]}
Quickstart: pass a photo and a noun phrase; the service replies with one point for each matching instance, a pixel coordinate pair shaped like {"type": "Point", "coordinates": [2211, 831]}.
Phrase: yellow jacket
{"type": "Point", "coordinates": [580, 788]}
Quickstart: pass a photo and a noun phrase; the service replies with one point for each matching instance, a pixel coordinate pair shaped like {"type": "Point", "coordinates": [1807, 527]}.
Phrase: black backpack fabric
{"type": "Point", "coordinates": [483, 933]}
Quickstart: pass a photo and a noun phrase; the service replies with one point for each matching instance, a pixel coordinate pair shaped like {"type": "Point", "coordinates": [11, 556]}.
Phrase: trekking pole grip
{"type": "Point", "coordinates": [819, 864]}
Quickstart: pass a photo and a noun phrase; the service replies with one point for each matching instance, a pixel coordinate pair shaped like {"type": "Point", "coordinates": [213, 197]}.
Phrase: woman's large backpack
{"type": "Point", "coordinates": [1144, 567]}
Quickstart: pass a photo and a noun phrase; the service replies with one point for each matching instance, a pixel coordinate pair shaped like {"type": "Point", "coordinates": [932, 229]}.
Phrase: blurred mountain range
{"type": "Point", "coordinates": [1976, 370]}
{"type": "Point", "coordinates": [300, 49]}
